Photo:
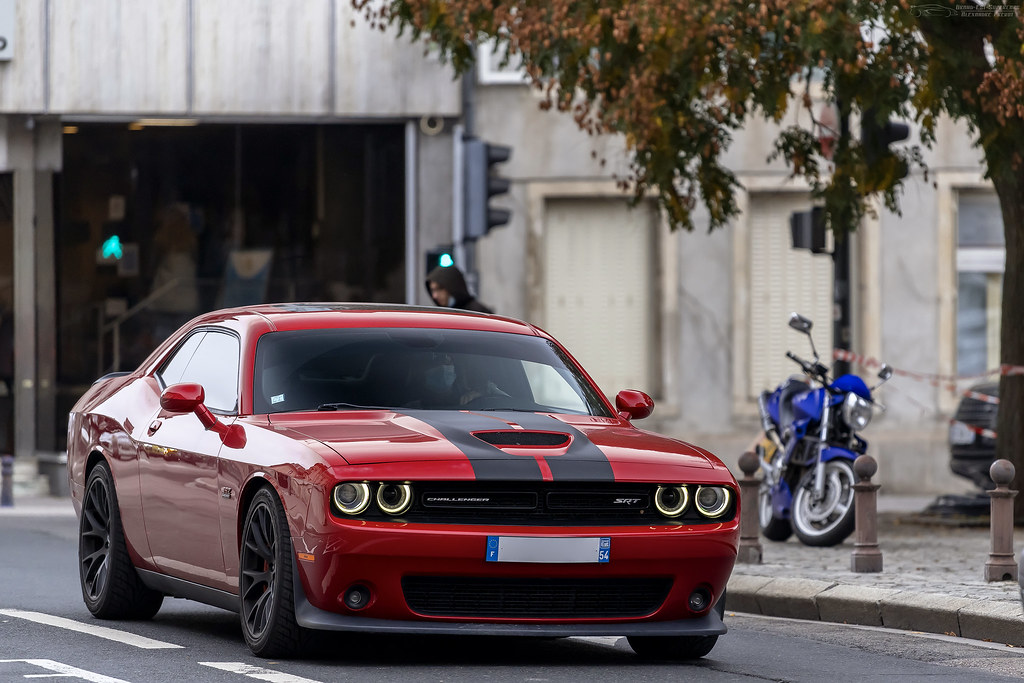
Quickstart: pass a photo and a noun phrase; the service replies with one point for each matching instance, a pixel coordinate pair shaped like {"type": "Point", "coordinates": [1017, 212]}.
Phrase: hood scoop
{"type": "Point", "coordinates": [524, 439]}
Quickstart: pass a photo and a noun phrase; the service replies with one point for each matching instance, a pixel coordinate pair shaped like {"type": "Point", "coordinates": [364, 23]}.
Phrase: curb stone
{"type": "Point", "coordinates": [791, 598]}
{"type": "Point", "coordinates": [924, 612]}
{"type": "Point", "coordinates": [848, 604]}
{"type": "Point", "coordinates": [998, 622]}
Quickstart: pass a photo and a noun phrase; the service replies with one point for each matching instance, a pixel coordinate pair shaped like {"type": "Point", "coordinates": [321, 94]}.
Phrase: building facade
{"type": "Point", "coordinates": [157, 160]}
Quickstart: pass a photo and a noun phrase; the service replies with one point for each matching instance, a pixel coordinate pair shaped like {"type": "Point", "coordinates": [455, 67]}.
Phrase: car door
{"type": "Point", "coordinates": [179, 462]}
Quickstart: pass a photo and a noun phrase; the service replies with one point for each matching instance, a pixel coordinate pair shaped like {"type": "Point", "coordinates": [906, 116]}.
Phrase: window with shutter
{"type": "Point", "coordinates": [598, 284]}
{"type": "Point", "coordinates": [783, 280]}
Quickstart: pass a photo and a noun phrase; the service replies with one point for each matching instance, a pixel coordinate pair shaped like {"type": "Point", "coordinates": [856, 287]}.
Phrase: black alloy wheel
{"type": "Point", "coordinates": [265, 581]}
{"type": "Point", "coordinates": [111, 587]}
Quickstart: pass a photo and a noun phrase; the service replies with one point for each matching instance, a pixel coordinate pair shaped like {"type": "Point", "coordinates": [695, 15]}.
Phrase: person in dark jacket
{"type": "Point", "coordinates": [447, 287]}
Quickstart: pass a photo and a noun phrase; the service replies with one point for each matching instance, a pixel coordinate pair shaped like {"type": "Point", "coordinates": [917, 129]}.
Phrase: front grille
{"type": "Point", "coordinates": [540, 504]}
{"type": "Point", "coordinates": [515, 598]}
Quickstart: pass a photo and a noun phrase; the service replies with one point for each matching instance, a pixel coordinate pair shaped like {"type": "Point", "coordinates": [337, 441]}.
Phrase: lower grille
{"type": "Point", "coordinates": [515, 598]}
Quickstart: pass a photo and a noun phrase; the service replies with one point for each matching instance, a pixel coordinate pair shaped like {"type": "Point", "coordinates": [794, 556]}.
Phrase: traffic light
{"type": "Point", "coordinates": [875, 138]}
{"type": "Point", "coordinates": [112, 249]}
{"type": "Point", "coordinates": [808, 230]}
{"type": "Point", "coordinates": [481, 184]}
{"type": "Point", "coordinates": [440, 256]}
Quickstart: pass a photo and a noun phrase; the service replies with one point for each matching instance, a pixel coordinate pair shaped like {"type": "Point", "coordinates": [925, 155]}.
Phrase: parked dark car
{"type": "Point", "coordinates": [972, 444]}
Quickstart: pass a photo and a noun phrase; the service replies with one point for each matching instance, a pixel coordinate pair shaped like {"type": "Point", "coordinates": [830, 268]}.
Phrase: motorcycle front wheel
{"type": "Point", "coordinates": [828, 521]}
{"type": "Point", "coordinates": [773, 528]}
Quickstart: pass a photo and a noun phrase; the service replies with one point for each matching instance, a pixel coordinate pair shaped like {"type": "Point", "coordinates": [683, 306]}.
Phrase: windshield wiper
{"type": "Point", "coordinates": [352, 406]}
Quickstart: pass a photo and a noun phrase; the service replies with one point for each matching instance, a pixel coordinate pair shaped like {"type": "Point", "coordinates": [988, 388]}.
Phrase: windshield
{"type": "Point", "coordinates": [343, 369]}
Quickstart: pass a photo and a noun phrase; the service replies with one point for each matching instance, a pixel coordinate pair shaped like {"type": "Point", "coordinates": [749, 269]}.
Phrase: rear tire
{"type": "Point", "coordinates": [266, 591]}
{"type": "Point", "coordinates": [111, 587]}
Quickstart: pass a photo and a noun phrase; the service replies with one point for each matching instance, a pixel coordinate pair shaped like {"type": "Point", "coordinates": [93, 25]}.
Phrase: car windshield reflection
{"type": "Point", "coordinates": [417, 369]}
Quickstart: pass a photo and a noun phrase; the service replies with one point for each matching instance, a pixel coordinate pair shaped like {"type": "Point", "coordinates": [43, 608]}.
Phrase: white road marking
{"type": "Point", "coordinates": [600, 640]}
{"type": "Point", "coordinates": [257, 672]}
{"type": "Point", "coordinates": [98, 631]}
{"type": "Point", "coordinates": [59, 669]}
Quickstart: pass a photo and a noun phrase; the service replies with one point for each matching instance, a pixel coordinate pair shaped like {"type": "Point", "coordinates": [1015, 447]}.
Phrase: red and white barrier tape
{"type": "Point", "coordinates": [943, 381]}
{"type": "Point", "coordinates": [988, 433]}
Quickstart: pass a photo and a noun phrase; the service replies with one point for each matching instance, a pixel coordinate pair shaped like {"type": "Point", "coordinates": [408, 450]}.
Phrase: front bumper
{"type": "Point", "coordinates": [378, 556]}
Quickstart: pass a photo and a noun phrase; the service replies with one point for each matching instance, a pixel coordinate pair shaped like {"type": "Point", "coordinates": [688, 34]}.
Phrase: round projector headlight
{"type": "Point", "coordinates": [671, 500]}
{"type": "Point", "coordinates": [394, 499]}
{"type": "Point", "coordinates": [856, 412]}
{"type": "Point", "coordinates": [712, 501]}
{"type": "Point", "coordinates": [352, 497]}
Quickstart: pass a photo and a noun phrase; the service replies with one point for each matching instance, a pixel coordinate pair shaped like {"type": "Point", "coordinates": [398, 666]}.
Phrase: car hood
{"type": "Point", "coordinates": [500, 445]}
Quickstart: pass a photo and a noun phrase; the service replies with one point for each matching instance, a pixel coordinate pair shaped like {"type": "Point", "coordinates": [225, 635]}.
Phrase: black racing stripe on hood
{"type": "Point", "coordinates": [582, 462]}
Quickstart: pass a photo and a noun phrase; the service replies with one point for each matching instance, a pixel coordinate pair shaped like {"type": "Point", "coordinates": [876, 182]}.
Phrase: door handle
{"type": "Point", "coordinates": [153, 426]}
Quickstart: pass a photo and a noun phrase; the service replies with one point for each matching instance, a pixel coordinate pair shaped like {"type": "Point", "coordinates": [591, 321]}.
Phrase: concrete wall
{"type": "Point", "coordinates": [303, 58]}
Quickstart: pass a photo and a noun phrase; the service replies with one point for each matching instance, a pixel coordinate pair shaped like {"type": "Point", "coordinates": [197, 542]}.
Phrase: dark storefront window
{"type": "Point", "coordinates": [164, 223]}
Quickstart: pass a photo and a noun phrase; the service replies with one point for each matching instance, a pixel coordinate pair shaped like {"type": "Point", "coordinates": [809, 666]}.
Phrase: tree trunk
{"type": "Point", "coordinates": [1010, 427]}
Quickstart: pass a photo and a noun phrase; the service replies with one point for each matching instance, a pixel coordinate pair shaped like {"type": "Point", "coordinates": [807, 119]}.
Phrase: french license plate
{"type": "Point", "coordinates": [548, 549]}
{"type": "Point", "coordinates": [960, 434]}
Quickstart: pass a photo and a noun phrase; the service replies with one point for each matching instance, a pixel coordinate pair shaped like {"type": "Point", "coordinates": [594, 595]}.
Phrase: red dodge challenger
{"type": "Point", "coordinates": [377, 468]}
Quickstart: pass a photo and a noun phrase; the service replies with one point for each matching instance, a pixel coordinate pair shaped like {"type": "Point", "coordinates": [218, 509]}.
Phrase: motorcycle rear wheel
{"type": "Point", "coordinates": [829, 521]}
{"type": "Point", "coordinates": [773, 528]}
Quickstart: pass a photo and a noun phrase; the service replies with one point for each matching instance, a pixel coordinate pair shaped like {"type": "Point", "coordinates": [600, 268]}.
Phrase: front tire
{"type": "Point", "coordinates": [676, 648]}
{"type": "Point", "coordinates": [829, 521]}
{"type": "Point", "coordinates": [773, 528]}
{"type": "Point", "coordinates": [111, 587]}
{"type": "Point", "coordinates": [266, 594]}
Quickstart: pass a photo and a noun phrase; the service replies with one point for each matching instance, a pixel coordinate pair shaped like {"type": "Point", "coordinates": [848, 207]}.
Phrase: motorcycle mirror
{"type": "Point", "coordinates": [800, 323]}
{"type": "Point", "coordinates": [885, 373]}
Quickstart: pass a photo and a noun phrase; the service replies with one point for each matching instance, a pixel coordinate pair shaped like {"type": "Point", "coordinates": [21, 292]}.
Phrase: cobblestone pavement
{"type": "Point", "coordinates": [919, 554]}
{"type": "Point", "coordinates": [932, 578]}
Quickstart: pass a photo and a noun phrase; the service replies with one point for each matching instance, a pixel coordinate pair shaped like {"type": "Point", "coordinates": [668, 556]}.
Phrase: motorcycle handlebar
{"type": "Point", "coordinates": [813, 369]}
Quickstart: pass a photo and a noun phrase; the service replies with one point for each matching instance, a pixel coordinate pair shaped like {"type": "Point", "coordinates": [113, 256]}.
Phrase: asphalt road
{"type": "Point", "coordinates": [46, 631]}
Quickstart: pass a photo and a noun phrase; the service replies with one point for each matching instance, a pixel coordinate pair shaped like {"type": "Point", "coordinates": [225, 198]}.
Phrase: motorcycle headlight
{"type": "Point", "coordinates": [856, 412]}
{"type": "Point", "coordinates": [352, 497]}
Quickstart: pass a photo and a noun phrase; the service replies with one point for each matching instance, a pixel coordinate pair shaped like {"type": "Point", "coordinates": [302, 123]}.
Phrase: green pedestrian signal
{"type": "Point", "coordinates": [112, 248]}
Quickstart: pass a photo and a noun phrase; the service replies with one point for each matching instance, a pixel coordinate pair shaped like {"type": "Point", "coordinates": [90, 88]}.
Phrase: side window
{"type": "Point", "coordinates": [174, 368]}
{"type": "Point", "coordinates": [212, 362]}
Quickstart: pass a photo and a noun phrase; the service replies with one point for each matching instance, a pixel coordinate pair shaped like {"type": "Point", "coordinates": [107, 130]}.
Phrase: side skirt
{"type": "Point", "coordinates": [179, 588]}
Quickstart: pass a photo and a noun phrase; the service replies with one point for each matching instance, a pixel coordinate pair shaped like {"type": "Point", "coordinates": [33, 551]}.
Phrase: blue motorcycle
{"type": "Point", "coordinates": [811, 426]}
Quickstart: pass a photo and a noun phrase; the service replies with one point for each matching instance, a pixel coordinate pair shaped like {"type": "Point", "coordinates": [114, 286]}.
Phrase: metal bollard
{"type": "Point", "coordinates": [1001, 565]}
{"type": "Point", "coordinates": [6, 480]}
{"type": "Point", "coordinates": [866, 557]}
{"type": "Point", "coordinates": [750, 540]}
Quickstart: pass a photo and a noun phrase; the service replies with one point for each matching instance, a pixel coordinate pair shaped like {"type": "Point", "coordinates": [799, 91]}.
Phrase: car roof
{"type": "Point", "coordinates": [309, 315]}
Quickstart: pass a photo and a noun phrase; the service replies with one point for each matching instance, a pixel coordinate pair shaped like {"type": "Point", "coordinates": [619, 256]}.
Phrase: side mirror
{"type": "Point", "coordinates": [800, 323]}
{"type": "Point", "coordinates": [633, 404]}
{"type": "Point", "coordinates": [182, 398]}
{"type": "Point", "coordinates": [885, 373]}
{"type": "Point", "coordinates": [189, 397]}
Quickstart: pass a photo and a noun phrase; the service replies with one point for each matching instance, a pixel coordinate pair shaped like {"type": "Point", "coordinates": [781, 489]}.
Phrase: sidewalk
{"type": "Point", "coordinates": [932, 578]}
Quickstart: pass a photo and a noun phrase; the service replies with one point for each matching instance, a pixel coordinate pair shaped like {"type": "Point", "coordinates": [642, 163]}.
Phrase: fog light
{"type": "Point", "coordinates": [700, 599]}
{"type": "Point", "coordinates": [358, 597]}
